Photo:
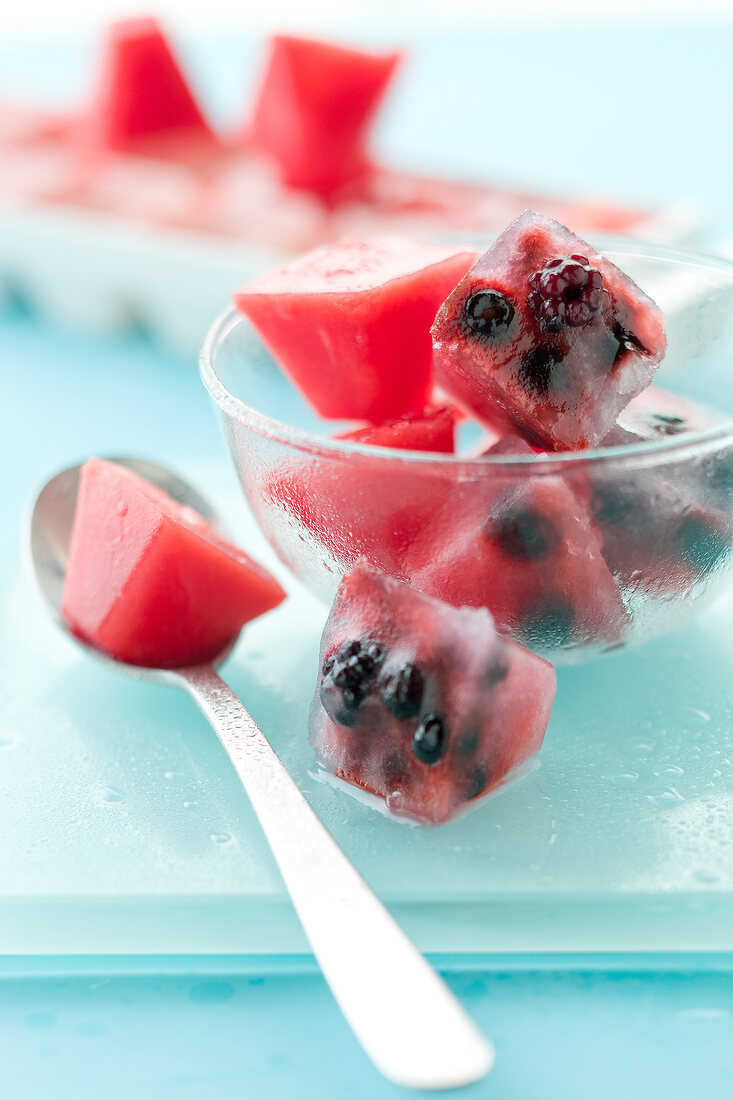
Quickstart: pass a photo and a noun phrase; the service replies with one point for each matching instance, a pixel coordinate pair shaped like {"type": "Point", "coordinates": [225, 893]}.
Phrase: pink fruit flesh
{"type": "Point", "coordinates": [555, 367]}
{"type": "Point", "coordinates": [350, 324]}
{"type": "Point", "coordinates": [148, 581]}
{"type": "Point", "coordinates": [412, 660]}
{"type": "Point", "coordinates": [142, 94]}
{"type": "Point", "coordinates": [314, 110]}
{"type": "Point", "coordinates": [433, 431]}
{"type": "Point", "coordinates": [358, 509]}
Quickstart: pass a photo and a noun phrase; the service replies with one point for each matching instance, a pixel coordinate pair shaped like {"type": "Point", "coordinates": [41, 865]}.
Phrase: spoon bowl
{"type": "Point", "coordinates": [50, 534]}
{"type": "Point", "coordinates": [406, 1018]}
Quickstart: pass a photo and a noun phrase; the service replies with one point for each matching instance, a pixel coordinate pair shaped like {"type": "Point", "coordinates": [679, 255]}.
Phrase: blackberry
{"type": "Point", "coordinates": [402, 691]}
{"type": "Point", "coordinates": [701, 545]}
{"type": "Point", "coordinates": [488, 313]}
{"type": "Point", "coordinates": [428, 741]}
{"type": "Point", "coordinates": [566, 291]}
{"type": "Point", "coordinates": [522, 534]}
{"type": "Point", "coordinates": [346, 677]}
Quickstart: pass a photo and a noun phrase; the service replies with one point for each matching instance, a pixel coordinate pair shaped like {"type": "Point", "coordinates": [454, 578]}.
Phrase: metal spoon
{"type": "Point", "coordinates": [406, 1018]}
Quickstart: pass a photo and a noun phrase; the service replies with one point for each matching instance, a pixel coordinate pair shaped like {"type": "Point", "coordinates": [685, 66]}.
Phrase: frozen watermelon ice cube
{"type": "Point", "coordinates": [313, 111]}
{"type": "Point", "coordinates": [350, 323]}
{"type": "Point", "coordinates": [422, 703]}
{"type": "Point", "coordinates": [665, 527]}
{"type": "Point", "coordinates": [148, 581]}
{"type": "Point", "coordinates": [142, 97]}
{"type": "Point", "coordinates": [523, 545]}
{"type": "Point", "coordinates": [547, 337]}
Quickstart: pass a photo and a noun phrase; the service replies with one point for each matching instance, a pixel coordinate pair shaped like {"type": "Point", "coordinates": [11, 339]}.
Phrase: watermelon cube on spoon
{"type": "Point", "coordinates": [148, 581]}
{"type": "Point", "coordinates": [350, 323]}
{"type": "Point", "coordinates": [421, 703]}
{"type": "Point", "coordinates": [546, 337]}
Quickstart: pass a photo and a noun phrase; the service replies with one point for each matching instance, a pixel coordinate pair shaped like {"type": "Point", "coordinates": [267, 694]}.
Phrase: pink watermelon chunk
{"type": "Point", "coordinates": [142, 95]}
{"type": "Point", "coordinates": [547, 337]}
{"type": "Point", "coordinates": [314, 109]}
{"type": "Point", "coordinates": [433, 431]}
{"type": "Point", "coordinates": [422, 703]}
{"type": "Point", "coordinates": [148, 581]}
{"type": "Point", "coordinates": [524, 548]}
{"type": "Point", "coordinates": [359, 507]}
{"type": "Point", "coordinates": [350, 323]}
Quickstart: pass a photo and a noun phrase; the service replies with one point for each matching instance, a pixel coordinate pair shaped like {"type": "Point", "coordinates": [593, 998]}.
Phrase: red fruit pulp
{"type": "Point", "coordinates": [350, 323]}
{"type": "Point", "coordinates": [148, 581]}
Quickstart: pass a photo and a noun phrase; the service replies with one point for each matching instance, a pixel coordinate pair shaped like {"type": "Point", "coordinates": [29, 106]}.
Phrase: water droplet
{"type": "Point", "coordinates": [110, 794]}
{"type": "Point", "coordinates": [699, 713]}
{"type": "Point", "coordinates": [190, 805]}
{"type": "Point", "coordinates": [221, 838]}
{"type": "Point", "coordinates": [666, 798]}
{"type": "Point", "coordinates": [173, 775]}
{"type": "Point", "coordinates": [626, 777]}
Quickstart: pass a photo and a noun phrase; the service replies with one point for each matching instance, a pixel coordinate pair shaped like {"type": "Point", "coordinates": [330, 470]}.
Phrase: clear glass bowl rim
{"type": "Point", "coordinates": [672, 448]}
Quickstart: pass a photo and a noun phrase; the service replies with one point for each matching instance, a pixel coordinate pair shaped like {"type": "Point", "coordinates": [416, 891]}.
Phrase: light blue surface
{"type": "Point", "coordinates": [654, 125]}
{"type": "Point", "coordinates": [568, 1033]}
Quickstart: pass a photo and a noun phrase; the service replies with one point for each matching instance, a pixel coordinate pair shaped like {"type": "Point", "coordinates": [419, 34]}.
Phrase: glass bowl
{"type": "Point", "coordinates": [619, 544]}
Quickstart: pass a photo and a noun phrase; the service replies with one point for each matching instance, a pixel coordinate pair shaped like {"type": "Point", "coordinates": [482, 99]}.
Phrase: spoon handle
{"type": "Point", "coordinates": [406, 1018]}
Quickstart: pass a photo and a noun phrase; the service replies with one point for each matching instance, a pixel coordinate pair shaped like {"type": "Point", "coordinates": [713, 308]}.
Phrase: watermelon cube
{"type": "Point", "coordinates": [362, 507]}
{"type": "Point", "coordinates": [421, 703]}
{"type": "Point", "coordinates": [314, 109]}
{"type": "Point", "coordinates": [148, 581]}
{"type": "Point", "coordinates": [434, 430]}
{"type": "Point", "coordinates": [546, 337]}
{"type": "Point", "coordinates": [525, 548]}
{"type": "Point", "coordinates": [350, 323]}
{"type": "Point", "coordinates": [142, 98]}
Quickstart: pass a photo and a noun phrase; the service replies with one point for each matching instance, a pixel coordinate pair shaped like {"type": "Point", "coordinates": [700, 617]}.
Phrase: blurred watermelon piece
{"type": "Point", "coordinates": [142, 97]}
{"type": "Point", "coordinates": [314, 109]}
